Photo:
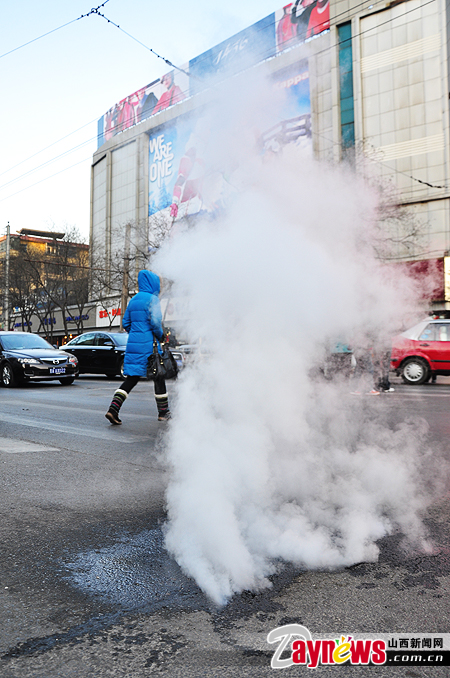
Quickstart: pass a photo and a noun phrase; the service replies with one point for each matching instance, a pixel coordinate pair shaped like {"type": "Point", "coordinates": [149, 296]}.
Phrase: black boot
{"type": "Point", "coordinates": [112, 414]}
{"type": "Point", "coordinates": [162, 403]}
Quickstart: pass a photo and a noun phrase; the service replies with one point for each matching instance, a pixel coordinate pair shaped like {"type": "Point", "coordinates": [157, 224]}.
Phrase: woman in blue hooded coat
{"type": "Point", "coordinates": [143, 322]}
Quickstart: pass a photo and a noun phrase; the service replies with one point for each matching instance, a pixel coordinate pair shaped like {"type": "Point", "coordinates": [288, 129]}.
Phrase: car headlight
{"type": "Point", "coordinates": [28, 361]}
{"type": "Point", "coordinates": [73, 360]}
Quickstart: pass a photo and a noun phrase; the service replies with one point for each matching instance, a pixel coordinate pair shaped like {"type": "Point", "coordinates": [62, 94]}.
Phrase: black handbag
{"type": "Point", "coordinates": [161, 365]}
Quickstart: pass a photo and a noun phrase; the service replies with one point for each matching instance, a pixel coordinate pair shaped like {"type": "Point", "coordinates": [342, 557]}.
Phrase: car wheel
{"type": "Point", "coordinates": [415, 371]}
{"type": "Point", "coordinates": [67, 381]}
{"type": "Point", "coordinates": [122, 373]}
{"type": "Point", "coordinates": [8, 378]}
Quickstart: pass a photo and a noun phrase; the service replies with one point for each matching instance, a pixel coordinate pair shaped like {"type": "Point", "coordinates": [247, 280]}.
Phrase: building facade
{"type": "Point", "coordinates": [47, 278]}
{"type": "Point", "coordinates": [367, 83]}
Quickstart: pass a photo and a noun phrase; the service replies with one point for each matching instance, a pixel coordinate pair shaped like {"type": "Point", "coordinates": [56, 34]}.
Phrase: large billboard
{"type": "Point", "coordinates": [181, 182]}
{"type": "Point", "coordinates": [301, 21]}
{"type": "Point", "coordinates": [167, 91]}
{"type": "Point", "coordinates": [178, 175]}
{"type": "Point", "coordinates": [294, 24]}
{"type": "Point", "coordinates": [245, 49]}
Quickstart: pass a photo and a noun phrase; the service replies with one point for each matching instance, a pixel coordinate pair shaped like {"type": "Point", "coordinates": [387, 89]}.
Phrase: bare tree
{"type": "Point", "coordinates": [67, 277]}
{"type": "Point", "coordinates": [44, 280]}
{"type": "Point", "coordinates": [22, 295]}
{"type": "Point", "coordinates": [398, 233]}
{"type": "Point", "coordinates": [114, 273]}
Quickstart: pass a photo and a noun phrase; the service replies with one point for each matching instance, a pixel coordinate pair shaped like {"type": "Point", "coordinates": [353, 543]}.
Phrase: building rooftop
{"type": "Point", "coordinates": [42, 234]}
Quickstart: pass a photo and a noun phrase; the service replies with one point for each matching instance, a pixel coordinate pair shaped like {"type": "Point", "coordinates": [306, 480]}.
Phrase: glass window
{"type": "Point", "coordinates": [416, 331]}
{"type": "Point", "coordinates": [443, 332]}
{"type": "Point", "coordinates": [121, 338]}
{"type": "Point", "coordinates": [104, 340]}
{"type": "Point", "coordinates": [346, 86]}
{"type": "Point", "coordinates": [20, 340]}
{"type": "Point", "coordinates": [427, 334]}
{"type": "Point", "coordinates": [86, 340]}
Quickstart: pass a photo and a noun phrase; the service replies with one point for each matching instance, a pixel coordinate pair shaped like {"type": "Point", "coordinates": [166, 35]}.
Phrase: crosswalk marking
{"type": "Point", "coordinates": [10, 446]}
{"type": "Point", "coordinates": [423, 394]}
{"type": "Point", "coordinates": [116, 435]}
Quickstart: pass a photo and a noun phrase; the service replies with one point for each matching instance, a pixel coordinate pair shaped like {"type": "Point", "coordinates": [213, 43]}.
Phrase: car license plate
{"type": "Point", "coordinates": [57, 370]}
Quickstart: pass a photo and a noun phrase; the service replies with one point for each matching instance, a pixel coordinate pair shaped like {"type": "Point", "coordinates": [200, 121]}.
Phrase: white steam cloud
{"type": "Point", "coordinates": [268, 462]}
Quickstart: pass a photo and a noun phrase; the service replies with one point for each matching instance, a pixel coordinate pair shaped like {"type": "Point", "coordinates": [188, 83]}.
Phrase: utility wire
{"type": "Point", "coordinates": [382, 162]}
{"type": "Point", "coordinates": [96, 10]}
{"type": "Point", "coordinates": [35, 39]}
{"type": "Point", "coordinates": [49, 146]}
{"type": "Point", "coordinates": [45, 178]}
{"type": "Point", "coordinates": [169, 63]}
{"type": "Point", "coordinates": [47, 162]}
{"type": "Point", "coordinates": [93, 11]}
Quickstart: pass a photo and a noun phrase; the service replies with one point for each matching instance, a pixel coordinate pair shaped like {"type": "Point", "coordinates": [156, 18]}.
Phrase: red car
{"type": "Point", "coordinates": [422, 352]}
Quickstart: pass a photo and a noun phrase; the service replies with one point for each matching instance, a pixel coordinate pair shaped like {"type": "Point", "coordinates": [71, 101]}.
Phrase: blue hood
{"type": "Point", "coordinates": [148, 282]}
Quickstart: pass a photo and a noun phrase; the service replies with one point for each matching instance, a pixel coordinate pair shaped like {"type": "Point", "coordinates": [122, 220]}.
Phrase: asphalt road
{"type": "Point", "coordinates": [87, 589]}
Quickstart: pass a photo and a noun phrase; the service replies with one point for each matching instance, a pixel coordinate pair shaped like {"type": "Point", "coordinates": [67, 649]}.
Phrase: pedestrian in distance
{"type": "Point", "coordinates": [382, 364]}
{"type": "Point", "coordinates": [363, 375]}
{"type": "Point", "coordinates": [143, 322]}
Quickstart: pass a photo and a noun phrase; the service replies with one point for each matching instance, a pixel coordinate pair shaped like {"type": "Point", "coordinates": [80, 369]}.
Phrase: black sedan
{"type": "Point", "coordinates": [99, 352]}
{"type": "Point", "coordinates": [26, 357]}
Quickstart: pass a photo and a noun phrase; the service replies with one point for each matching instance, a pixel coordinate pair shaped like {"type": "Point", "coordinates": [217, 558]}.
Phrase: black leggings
{"type": "Point", "coordinates": [130, 383]}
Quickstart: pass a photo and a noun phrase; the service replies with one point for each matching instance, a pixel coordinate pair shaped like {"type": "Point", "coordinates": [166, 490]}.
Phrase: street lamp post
{"type": "Point", "coordinates": [126, 274]}
{"type": "Point", "coordinates": [6, 302]}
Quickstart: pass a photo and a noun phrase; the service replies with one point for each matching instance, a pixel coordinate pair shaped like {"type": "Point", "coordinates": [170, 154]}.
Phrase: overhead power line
{"type": "Point", "coordinates": [47, 162]}
{"type": "Point", "coordinates": [96, 10]}
{"type": "Point", "coordinates": [93, 11]}
{"type": "Point", "coordinates": [46, 178]}
{"type": "Point", "coordinates": [49, 146]}
{"type": "Point", "coordinates": [39, 38]}
{"type": "Point", "coordinates": [169, 63]}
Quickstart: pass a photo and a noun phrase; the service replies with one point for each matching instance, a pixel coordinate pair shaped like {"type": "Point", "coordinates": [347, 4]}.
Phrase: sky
{"type": "Point", "coordinates": [56, 87]}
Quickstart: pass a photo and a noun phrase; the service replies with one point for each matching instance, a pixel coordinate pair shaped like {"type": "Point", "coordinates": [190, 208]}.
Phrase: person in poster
{"type": "Point", "coordinates": [172, 96]}
{"type": "Point", "coordinates": [320, 18]}
{"type": "Point", "coordinates": [126, 115]}
{"type": "Point", "coordinates": [286, 30]}
{"type": "Point", "coordinates": [300, 17]}
{"type": "Point", "coordinates": [147, 103]}
{"type": "Point", "coordinates": [134, 103]}
{"type": "Point", "coordinates": [179, 176]}
{"type": "Point", "coordinates": [109, 124]}
{"type": "Point", "coordinates": [191, 170]}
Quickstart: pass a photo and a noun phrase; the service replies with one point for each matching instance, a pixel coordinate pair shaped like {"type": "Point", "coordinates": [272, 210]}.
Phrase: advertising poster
{"type": "Point", "coordinates": [160, 94]}
{"type": "Point", "coordinates": [293, 24]}
{"type": "Point", "coordinates": [294, 125]}
{"type": "Point", "coordinates": [301, 20]}
{"type": "Point", "coordinates": [180, 180]}
{"type": "Point", "coordinates": [245, 49]}
{"type": "Point", "coordinates": [177, 170]}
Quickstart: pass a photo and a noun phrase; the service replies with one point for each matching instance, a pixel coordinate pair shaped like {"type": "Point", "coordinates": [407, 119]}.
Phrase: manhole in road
{"type": "Point", "coordinates": [136, 571]}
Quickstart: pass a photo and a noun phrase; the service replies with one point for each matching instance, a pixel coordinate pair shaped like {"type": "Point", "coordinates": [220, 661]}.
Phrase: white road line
{"type": "Point", "coordinates": [425, 395]}
{"type": "Point", "coordinates": [106, 434]}
{"type": "Point", "coordinates": [11, 446]}
{"type": "Point", "coordinates": [28, 404]}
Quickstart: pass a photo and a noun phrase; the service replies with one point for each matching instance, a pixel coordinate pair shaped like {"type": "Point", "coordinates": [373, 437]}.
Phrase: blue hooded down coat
{"type": "Point", "coordinates": [142, 320]}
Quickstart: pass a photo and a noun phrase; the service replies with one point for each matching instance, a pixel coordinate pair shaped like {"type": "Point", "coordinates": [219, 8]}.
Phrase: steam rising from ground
{"type": "Point", "coordinates": [269, 462]}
